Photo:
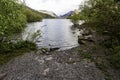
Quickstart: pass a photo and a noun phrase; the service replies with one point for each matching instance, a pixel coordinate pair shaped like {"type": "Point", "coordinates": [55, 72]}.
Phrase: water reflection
{"type": "Point", "coordinates": [54, 33]}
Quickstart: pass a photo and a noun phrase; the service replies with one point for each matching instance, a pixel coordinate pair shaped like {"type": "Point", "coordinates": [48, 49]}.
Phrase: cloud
{"type": "Point", "coordinates": [57, 6]}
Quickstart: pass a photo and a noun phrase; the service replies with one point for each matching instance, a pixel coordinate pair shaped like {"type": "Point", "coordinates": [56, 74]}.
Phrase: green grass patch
{"type": "Point", "coordinates": [99, 62]}
{"type": "Point", "coordinates": [115, 58]}
{"type": "Point", "coordinates": [9, 51]}
{"type": "Point", "coordinates": [85, 54]}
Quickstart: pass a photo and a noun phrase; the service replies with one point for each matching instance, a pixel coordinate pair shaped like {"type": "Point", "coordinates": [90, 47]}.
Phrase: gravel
{"type": "Point", "coordinates": [58, 65]}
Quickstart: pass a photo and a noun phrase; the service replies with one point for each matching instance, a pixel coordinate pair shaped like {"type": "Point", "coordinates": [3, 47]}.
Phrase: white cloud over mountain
{"type": "Point", "coordinates": [57, 6]}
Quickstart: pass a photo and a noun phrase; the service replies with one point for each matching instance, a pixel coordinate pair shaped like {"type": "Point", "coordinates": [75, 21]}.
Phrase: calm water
{"type": "Point", "coordinates": [54, 33]}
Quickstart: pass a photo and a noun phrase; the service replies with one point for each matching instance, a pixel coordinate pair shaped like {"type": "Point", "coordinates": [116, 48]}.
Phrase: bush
{"type": "Point", "coordinates": [115, 57]}
{"type": "Point", "coordinates": [75, 18]}
{"type": "Point", "coordinates": [104, 15]}
{"type": "Point", "coordinates": [10, 47]}
{"type": "Point", "coordinates": [32, 15]}
{"type": "Point", "coordinates": [11, 50]}
{"type": "Point", "coordinates": [12, 20]}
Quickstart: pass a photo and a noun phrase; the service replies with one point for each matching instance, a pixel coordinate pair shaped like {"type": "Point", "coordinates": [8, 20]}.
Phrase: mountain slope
{"type": "Point", "coordinates": [67, 14]}
{"type": "Point", "coordinates": [48, 13]}
{"type": "Point", "coordinates": [70, 13]}
{"type": "Point", "coordinates": [34, 15]}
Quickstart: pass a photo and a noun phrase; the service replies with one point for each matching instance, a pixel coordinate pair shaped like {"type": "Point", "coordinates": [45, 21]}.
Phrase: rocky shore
{"type": "Point", "coordinates": [85, 62]}
{"type": "Point", "coordinates": [58, 65]}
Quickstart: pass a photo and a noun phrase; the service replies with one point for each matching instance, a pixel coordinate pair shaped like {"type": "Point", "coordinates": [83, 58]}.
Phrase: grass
{"type": "Point", "coordinates": [85, 54]}
{"type": "Point", "coordinates": [8, 53]}
{"type": "Point", "coordinates": [104, 68]}
{"type": "Point", "coordinates": [115, 60]}
{"type": "Point", "coordinates": [99, 62]}
{"type": "Point", "coordinates": [113, 53]}
{"type": "Point", "coordinates": [4, 58]}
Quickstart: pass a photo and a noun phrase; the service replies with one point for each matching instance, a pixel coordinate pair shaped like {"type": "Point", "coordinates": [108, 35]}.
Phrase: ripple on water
{"type": "Point", "coordinates": [54, 33]}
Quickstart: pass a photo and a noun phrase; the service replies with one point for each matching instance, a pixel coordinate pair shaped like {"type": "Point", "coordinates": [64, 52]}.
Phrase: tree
{"type": "Point", "coordinates": [104, 15]}
{"type": "Point", "coordinates": [75, 18]}
{"type": "Point", "coordinates": [12, 19]}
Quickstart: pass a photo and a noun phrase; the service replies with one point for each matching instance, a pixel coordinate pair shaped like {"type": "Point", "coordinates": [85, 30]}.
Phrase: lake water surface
{"type": "Point", "coordinates": [54, 33]}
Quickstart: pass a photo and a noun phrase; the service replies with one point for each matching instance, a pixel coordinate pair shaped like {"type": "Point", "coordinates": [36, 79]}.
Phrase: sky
{"type": "Point", "coordinates": [57, 6]}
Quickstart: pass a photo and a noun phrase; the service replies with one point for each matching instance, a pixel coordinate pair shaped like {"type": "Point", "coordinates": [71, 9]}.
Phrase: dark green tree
{"type": "Point", "coordinates": [12, 19]}
{"type": "Point", "coordinates": [104, 15]}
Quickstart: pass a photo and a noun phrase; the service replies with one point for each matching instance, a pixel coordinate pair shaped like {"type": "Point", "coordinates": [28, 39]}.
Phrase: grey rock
{"type": "Point", "coordinates": [2, 76]}
{"type": "Point", "coordinates": [32, 66]}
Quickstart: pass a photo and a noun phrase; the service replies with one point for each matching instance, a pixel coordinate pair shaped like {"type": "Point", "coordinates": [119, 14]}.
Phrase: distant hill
{"type": "Point", "coordinates": [67, 14]}
{"type": "Point", "coordinates": [34, 15]}
{"type": "Point", "coordinates": [48, 13]}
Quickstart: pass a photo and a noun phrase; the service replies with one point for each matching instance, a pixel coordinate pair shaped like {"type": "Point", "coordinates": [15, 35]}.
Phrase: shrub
{"type": "Point", "coordinates": [103, 15]}
{"type": "Point", "coordinates": [12, 19]}
{"type": "Point", "coordinates": [32, 15]}
{"type": "Point", "coordinates": [115, 57]}
{"type": "Point", "coordinates": [20, 45]}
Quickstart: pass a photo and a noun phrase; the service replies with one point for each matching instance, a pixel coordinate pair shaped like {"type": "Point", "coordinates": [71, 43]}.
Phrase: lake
{"type": "Point", "coordinates": [58, 33]}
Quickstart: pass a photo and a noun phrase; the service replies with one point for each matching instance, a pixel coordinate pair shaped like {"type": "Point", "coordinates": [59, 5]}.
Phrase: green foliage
{"type": "Point", "coordinates": [85, 55]}
{"type": "Point", "coordinates": [32, 15]}
{"type": "Point", "coordinates": [113, 46]}
{"type": "Point", "coordinates": [10, 47]}
{"type": "Point", "coordinates": [104, 15]}
{"type": "Point", "coordinates": [12, 21]}
{"type": "Point", "coordinates": [75, 18]}
{"type": "Point", "coordinates": [11, 18]}
{"type": "Point", "coordinates": [33, 37]}
{"type": "Point", "coordinates": [10, 50]}
{"type": "Point", "coordinates": [115, 57]}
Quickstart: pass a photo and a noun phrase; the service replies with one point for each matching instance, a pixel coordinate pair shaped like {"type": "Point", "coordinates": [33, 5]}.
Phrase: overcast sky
{"type": "Point", "coordinates": [57, 6]}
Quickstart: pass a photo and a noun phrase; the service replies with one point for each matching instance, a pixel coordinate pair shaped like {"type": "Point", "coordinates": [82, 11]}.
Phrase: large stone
{"type": "Point", "coordinates": [2, 76]}
{"type": "Point", "coordinates": [31, 67]}
{"type": "Point", "coordinates": [87, 32]}
{"type": "Point", "coordinates": [54, 49]}
{"type": "Point", "coordinates": [83, 39]}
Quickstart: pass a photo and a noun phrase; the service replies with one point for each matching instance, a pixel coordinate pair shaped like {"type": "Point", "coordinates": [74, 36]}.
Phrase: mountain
{"type": "Point", "coordinates": [44, 15]}
{"type": "Point", "coordinates": [70, 13]}
{"type": "Point", "coordinates": [34, 15]}
{"type": "Point", "coordinates": [67, 14]}
{"type": "Point", "coordinates": [48, 13]}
